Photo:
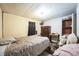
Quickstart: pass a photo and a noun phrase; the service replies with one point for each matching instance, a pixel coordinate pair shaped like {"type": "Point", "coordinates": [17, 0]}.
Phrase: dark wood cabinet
{"type": "Point", "coordinates": [45, 31]}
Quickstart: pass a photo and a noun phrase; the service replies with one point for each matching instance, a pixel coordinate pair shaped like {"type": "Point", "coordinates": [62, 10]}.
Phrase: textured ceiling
{"type": "Point", "coordinates": [29, 9]}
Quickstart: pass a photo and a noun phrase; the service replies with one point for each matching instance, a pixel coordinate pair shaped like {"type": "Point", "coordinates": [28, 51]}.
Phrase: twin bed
{"type": "Point", "coordinates": [26, 46]}
{"type": "Point", "coordinates": [69, 46]}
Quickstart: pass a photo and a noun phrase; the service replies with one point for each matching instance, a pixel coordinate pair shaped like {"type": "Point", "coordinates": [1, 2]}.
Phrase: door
{"type": "Point", "coordinates": [67, 26]}
{"type": "Point", "coordinates": [31, 28]}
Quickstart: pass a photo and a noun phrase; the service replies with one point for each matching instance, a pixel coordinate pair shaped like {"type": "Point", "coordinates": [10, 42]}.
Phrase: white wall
{"type": "Point", "coordinates": [0, 23]}
{"type": "Point", "coordinates": [56, 24]}
{"type": "Point", "coordinates": [17, 26]}
{"type": "Point", "coordinates": [78, 20]}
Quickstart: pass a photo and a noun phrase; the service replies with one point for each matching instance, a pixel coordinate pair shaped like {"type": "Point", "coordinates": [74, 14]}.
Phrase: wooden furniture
{"type": "Point", "coordinates": [67, 26]}
{"type": "Point", "coordinates": [45, 31]}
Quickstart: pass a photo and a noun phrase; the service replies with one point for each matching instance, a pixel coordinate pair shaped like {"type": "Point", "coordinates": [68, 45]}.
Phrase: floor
{"type": "Point", "coordinates": [45, 53]}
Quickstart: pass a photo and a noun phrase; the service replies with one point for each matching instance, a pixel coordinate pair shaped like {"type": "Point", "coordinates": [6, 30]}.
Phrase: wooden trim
{"type": "Point", "coordinates": [2, 26]}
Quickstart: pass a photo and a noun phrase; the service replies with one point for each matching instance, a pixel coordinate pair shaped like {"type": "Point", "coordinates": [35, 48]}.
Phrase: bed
{"type": "Point", "coordinates": [26, 46]}
{"type": "Point", "coordinates": [67, 50]}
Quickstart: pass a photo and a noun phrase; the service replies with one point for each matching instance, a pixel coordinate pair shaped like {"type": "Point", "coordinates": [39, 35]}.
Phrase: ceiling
{"type": "Point", "coordinates": [39, 11]}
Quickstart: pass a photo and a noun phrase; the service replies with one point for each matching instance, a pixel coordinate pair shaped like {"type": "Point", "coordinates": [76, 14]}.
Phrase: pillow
{"type": "Point", "coordinates": [72, 39]}
{"type": "Point", "coordinates": [63, 40]}
{"type": "Point", "coordinates": [7, 40]}
{"type": "Point", "coordinates": [10, 39]}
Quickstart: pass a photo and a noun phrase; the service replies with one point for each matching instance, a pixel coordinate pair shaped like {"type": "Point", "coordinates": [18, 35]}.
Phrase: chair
{"type": "Point", "coordinates": [54, 37]}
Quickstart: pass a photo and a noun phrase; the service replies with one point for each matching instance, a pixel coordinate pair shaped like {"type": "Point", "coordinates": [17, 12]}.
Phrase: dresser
{"type": "Point", "coordinates": [45, 31]}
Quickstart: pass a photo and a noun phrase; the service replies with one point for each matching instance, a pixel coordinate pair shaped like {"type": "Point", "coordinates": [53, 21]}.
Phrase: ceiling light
{"type": "Point", "coordinates": [42, 12]}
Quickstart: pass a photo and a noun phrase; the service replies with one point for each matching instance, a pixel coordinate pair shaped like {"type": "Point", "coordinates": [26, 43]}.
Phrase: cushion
{"type": "Point", "coordinates": [7, 40]}
{"type": "Point", "coordinates": [72, 39]}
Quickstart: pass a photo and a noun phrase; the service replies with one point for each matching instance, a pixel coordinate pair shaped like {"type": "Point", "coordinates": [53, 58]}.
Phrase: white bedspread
{"type": "Point", "coordinates": [32, 45]}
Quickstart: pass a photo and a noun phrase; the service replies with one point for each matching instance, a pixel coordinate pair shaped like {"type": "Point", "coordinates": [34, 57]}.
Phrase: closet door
{"type": "Point", "coordinates": [31, 28]}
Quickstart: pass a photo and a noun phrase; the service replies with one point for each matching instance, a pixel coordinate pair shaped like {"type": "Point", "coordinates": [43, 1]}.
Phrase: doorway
{"type": "Point", "coordinates": [31, 28]}
{"type": "Point", "coordinates": [67, 26]}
